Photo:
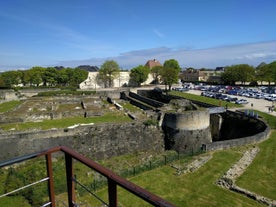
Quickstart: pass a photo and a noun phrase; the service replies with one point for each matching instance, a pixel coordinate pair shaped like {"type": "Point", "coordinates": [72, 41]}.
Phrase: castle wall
{"type": "Point", "coordinates": [238, 129]}
{"type": "Point", "coordinates": [225, 144]}
{"type": "Point", "coordinates": [187, 131]}
{"type": "Point", "coordinates": [189, 120]}
{"type": "Point", "coordinates": [96, 141]}
{"type": "Point", "coordinates": [215, 126]}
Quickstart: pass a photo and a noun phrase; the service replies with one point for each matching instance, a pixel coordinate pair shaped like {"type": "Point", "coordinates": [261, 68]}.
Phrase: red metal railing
{"type": "Point", "coordinates": [113, 180]}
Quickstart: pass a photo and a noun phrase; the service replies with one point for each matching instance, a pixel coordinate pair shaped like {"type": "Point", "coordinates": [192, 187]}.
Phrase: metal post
{"type": "Point", "coordinates": [70, 182]}
{"type": "Point", "coordinates": [112, 193]}
{"type": "Point", "coordinates": [51, 180]}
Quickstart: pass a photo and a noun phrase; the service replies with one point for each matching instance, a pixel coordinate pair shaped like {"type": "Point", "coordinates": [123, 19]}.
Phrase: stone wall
{"type": "Point", "coordinates": [7, 95]}
{"type": "Point", "coordinates": [238, 142]}
{"type": "Point", "coordinates": [215, 126]}
{"type": "Point", "coordinates": [238, 125]}
{"type": "Point", "coordinates": [187, 131]}
{"type": "Point", "coordinates": [187, 141]}
{"type": "Point", "coordinates": [146, 100]}
{"type": "Point", "coordinates": [235, 138]}
{"type": "Point", "coordinates": [189, 120]}
{"type": "Point", "coordinates": [96, 141]}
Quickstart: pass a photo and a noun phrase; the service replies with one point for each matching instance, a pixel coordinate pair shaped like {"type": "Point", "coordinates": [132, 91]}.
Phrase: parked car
{"type": "Point", "coordinates": [241, 101]}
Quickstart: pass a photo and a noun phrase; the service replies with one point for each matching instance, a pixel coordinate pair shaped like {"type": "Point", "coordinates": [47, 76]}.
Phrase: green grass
{"type": "Point", "coordinates": [8, 106]}
{"type": "Point", "coordinates": [130, 107]}
{"type": "Point", "coordinates": [204, 99]}
{"type": "Point", "coordinates": [260, 177]}
{"type": "Point", "coordinates": [270, 119]}
{"type": "Point", "coordinates": [14, 201]}
{"type": "Point", "coordinates": [194, 189]}
{"type": "Point", "coordinates": [66, 122]}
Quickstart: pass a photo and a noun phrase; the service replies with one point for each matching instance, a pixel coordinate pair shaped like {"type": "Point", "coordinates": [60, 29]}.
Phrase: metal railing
{"type": "Point", "coordinates": [113, 180]}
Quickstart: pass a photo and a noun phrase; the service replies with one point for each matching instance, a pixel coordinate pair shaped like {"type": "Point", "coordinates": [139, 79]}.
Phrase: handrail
{"type": "Point", "coordinates": [112, 178]}
{"type": "Point", "coordinates": [127, 185]}
{"type": "Point", "coordinates": [23, 187]}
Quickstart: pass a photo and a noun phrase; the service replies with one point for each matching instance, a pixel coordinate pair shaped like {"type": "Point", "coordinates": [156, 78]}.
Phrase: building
{"type": "Point", "coordinates": [92, 81]}
{"type": "Point", "coordinates": [152, 63]}
{"type": "Point", "coordinates": [194, 75]}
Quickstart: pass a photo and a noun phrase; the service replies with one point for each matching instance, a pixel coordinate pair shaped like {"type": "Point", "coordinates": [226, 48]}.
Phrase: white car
{"type": "Point", "coordinates": [241, 101]}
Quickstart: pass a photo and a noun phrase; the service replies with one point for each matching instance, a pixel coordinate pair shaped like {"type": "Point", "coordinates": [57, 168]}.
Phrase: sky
{"type": "Point", "coordinates": [196, 33]}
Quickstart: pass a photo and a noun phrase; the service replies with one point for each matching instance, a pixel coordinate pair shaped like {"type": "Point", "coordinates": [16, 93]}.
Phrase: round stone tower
{"type": "Point", "coordinates": [187, 130]}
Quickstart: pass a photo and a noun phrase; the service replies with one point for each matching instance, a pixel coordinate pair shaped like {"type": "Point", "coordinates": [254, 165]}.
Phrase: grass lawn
{"type": "Point", "coordinates": [204, 99]}
{"type": "Point", "coordinates": [66, 122]}
{"type": "Point", "coordinates": [8, 106]}
{"type": "Point", "coordinates": [194, 189]}
{"type": "Point", "coordinates": [14, 201]}
{"type": "Point", "coordinates": [260, 177]}
{"type": "Point", "coordinates": [270, 120]}
{"type": "Point", "coordinates": [130, 107]}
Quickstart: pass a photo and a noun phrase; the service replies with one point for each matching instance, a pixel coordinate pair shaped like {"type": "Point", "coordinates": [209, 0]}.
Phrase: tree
{"type": "Point", "coordinates": [25, 78]}
{"type": "Point", "coordinates": [229, 76]}
{"type": "Point", "coordinates": [49, 76]}
{"type": "Point", "coordinates": [240, 72]}
{"type": "Point", "coordinates": [156, 71]}
{"type": "Point", "coordinates": [35, 75]}
{"type": "Point", "coordinates": [108, 72]}
{"type": "Point", "coordinates": [172, 63]}
{"type": "Point", "coordinates": [139, 75]}
{"type": "Point", "coordinates": [272, 67]}
{"type": "Point", "coordinates": [77, 77]}
{"type": "Point", "coordinates": [10, 79]}
{"type": "Point", "coordinates": [267, 72]}
{"type": "Point", "coordinates": [170, 72]}
{"type": "Point", "coordinates": [261, 72]}
{"type": "Point", "coordinates": [169, 76]}
{"type": "Point", "coordinates": [63, 77]}
{"type": "Point", "coordinates": [246, 73]}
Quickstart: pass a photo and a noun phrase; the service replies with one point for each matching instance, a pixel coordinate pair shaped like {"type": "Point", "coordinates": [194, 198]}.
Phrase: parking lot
{"type": "Point", "coordinates": [257, 103]}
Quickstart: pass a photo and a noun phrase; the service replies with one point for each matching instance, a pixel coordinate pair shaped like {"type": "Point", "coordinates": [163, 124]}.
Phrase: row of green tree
{"type": "Point", "coordinates": [36, 76]}
{"type": "Point", "coordinates": [246, 73]}
{"type": "Point", "coordinates": [72, 77]}
{"type": "Point", "coordinates": [167, 74]}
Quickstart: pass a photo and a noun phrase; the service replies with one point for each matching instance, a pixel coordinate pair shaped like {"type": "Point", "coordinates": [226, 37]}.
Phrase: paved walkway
{"type": "Point", "coordinates": [258, 104]}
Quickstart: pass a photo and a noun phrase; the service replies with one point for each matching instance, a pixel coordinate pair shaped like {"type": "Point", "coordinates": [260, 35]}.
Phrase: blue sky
{"type": "Point", "coordinates": [197, 33]}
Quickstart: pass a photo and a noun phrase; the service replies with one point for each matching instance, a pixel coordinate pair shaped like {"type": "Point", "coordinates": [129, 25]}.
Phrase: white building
{"type": "Point", "coordinates": [92, 81]}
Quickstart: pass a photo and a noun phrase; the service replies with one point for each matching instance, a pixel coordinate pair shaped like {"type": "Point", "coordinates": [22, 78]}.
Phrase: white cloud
{"type": "Point", "coordinates": [252, 53]}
